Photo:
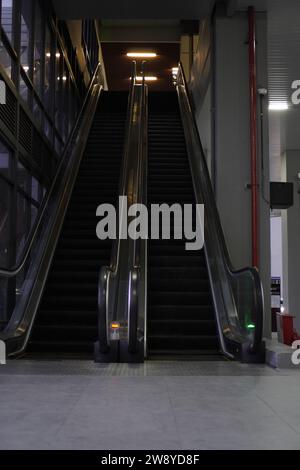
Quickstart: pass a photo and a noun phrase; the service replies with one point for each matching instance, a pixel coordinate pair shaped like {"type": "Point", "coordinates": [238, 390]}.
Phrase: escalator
{"type": "Point", "coordinates": [175, 302]}
{"type": "Point", "coordinates": [180, 319]}
{"type": "Point", "coordinates": [132, 298]}
{"type": "Point", "coordinates": [66, 320]}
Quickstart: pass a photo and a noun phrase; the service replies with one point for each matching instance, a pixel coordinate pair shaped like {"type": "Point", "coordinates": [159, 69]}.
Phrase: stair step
{"type": "Point", "coordinates": [180, 298]}
{"type": "Point", "coordinates": [72, 317]}
{"type": "Point", "coordinates": [178, 261]}
{"type": "Point", "coordinates": [180, 284]}
{"type": "Point", "coordinates": [186, 342]}
{"type": "Point", "coordinates": [182, 327]}
{"type": "Point", "coordinates": [180, 313]}
{"type": "Point", "coordinates": [73, 276]}
{"type": "Point", "coordinates": [67, 243]}
{"type": "Point", "coordinates": [70, 288]}
{"type": "Point", "coordinates": [181, 272]}
{"type": "Point", "coordinates": [66, 332]}
{"type": "Point", "coordinates": [82, 253]}
{"type": "Point", "coordinates": [177, 312]}
{"type": "Point", "coordinates": [74, 301]}
{"type": "Point", "coordinates": [62, 347]}
{"type": "Point", "coordinates": [67, 318]}
{"type": "Point", "coordinates": [187, 354]}
{"type": "Point", "coordinates": [81, 263]}
{"type": "Point", "coordinates": [172, 249]}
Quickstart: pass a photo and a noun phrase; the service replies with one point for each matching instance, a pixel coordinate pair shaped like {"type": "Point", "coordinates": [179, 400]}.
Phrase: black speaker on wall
{"type": "Point", "coordinates": [281, 195]}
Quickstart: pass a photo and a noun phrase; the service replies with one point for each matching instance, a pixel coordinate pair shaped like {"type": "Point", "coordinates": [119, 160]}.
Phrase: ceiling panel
{"type": "Point", "coordinates": [118, 66]}
{"type": "Point", "coordinates": [120, 9]}
{"type": "Point", "coordinates": [283, 69]}
{"type": "Point", "coordinates": [140, 30]}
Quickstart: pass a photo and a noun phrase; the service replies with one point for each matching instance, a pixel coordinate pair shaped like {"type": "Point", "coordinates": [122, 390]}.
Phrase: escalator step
{"type": "Point", "coordinates": [180, 298]}
{"type": "Point", "coordinates": [183, 327]}
{"type": "Point", "coordinates": [178, 342]}
{"type": "Point", "coordinates": [67, 318]}
{"type": "Point", "coordinates": [180, 314]}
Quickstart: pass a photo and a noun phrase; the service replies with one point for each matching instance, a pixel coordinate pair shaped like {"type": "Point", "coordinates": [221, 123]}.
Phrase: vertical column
{"type": "Point", "coordinates": [290, 238]}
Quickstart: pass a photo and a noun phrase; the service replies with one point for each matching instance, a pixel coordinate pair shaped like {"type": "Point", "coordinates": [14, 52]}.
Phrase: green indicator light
{"type": "Point", "coordinates": [250, 326]}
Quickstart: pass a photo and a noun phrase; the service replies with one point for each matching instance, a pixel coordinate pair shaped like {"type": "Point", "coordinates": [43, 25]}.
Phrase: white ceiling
{"type": "Point", "coordinates": [284, 68]}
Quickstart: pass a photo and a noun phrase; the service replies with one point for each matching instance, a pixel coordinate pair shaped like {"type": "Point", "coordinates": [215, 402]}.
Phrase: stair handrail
{"type": "Point", "coordinates": [106, 271]}
{"type": "Point", "coordinates": [115, 256]}
{"type": "Point", "coordinates": [110, 276]}
{"type": "Point", "coordinates": [253, 343]}
{"type": "Point", "coordinates": [137, 307]}
{"type": "Point", "coordinates": [12, 272]}
{"type": "Point", "coordinates": [17, 331]}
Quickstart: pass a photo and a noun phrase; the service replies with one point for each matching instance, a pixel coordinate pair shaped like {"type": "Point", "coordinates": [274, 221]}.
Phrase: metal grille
{"type": "Point", "coordinates": [48, 164]}
{"type": "Point", "coordinates": [8, 111]}
{"type": "Point", "coordinates": [38, 149]}
{"type": "Point", "coordinates": [25, 132]}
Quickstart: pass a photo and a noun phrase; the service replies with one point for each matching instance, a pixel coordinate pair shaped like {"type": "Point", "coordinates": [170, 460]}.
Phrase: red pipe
{"type": "Point", "coordinates": [253, 135]}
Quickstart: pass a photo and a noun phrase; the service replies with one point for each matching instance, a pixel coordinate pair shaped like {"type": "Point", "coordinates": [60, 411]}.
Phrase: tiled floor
{"type": "Point", "coordinates": [157, 405]}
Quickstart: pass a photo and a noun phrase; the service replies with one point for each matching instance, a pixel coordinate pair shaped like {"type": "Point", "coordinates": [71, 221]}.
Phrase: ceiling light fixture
{"type": "Point", "coordinates": [147, 79]}
{"type": "Point", "coordinates": [278, 106]}
{"type": "Point", "coordinates": [145, 55]}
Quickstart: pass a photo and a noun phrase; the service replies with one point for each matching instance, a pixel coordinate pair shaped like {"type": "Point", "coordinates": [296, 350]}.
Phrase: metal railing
{"type": "Point", "coordinates": [40, 246]}
{"type": "Point", "coordinates": [12, 272]}
{"type": "Point", "coordinates": [237, 294]}
{"type": "Point", "coordinates": [121, 288]}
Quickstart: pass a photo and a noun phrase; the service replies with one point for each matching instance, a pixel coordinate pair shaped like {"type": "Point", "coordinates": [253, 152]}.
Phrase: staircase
{"type": "Point", "coordinates": [181, 319]}
{"type": "Point", "coordinates": [67, 318]}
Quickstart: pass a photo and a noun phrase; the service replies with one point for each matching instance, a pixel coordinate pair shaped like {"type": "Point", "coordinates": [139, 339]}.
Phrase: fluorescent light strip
{"type": "Point", "coordinates": [278, 106]}
{"type": "Point", "coordinates": [141, 54]}
{"type": "Point", "coordinates": [147, 79]}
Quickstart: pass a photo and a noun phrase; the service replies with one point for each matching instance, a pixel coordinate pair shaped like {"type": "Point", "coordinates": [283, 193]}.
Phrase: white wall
{"type": "Point", "coordinates": [201, 89]}
{"type": "Point", "coordinates": [204, 119]}
{"type": "Point", "coordinates": [290, 240]}
{"type": "Point", "coordinates": [220, 88]}
{"type": "Point", "coordinates": [276, 247]}
{"type": "Point", "coordinates": [232, 143]}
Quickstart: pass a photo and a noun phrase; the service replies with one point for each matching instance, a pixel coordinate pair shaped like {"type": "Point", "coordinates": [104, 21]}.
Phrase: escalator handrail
{"type": "Point", "coordinates": [106, 273]}
{"type": "Point", "coordinates": [257, 287]}
{"type": "Point", "coordinates": [13, 272]}
{"type": "Point", "coordinates": [114, 259]}
{"type": "Point", "coordinates": [134, 285]}
{"type": "Point", "coordinates": [18, 329]}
